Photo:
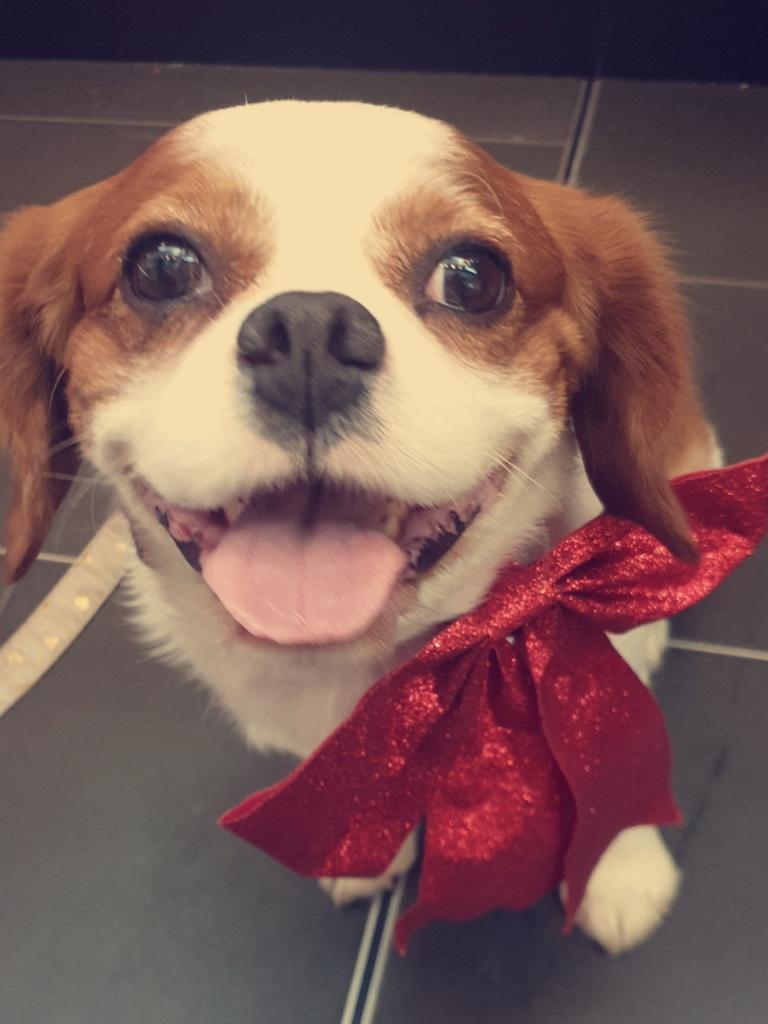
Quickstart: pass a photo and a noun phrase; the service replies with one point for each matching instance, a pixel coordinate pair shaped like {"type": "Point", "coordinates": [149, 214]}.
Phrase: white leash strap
{"type": "Point", "coordinates": [60, 617]}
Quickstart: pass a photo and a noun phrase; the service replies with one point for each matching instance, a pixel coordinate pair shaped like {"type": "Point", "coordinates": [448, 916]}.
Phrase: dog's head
{"type": "Point", "coordinates": [323, 345]}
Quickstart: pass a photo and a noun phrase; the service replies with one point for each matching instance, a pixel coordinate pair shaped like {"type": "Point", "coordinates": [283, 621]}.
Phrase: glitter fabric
{"type": "Point", "coordinates": [524, 759]}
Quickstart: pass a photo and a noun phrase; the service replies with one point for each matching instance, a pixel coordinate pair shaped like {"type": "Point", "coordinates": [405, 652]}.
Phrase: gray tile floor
{"type": "Point", "coordinates": [119, 899]}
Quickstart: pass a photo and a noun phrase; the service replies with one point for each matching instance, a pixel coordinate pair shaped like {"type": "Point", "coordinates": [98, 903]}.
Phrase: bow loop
{"type": "Point", "coordinates": [617, 575]}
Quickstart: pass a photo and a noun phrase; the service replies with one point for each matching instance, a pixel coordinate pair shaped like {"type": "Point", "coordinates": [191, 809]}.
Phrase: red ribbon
{"type": "Point", "coordinates": [525, 757]}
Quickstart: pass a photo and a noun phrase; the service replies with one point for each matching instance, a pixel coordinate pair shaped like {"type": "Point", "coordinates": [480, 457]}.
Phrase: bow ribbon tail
{"type": "Point", "coordinates": [497, 825]}
{"type": "Point", "coordinates": [606, 734]}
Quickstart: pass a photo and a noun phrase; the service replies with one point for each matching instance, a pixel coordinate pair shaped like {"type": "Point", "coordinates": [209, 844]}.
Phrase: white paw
{"type": "Point", "coordinates": [344, 891]}
{"type": "Point", "coordinates": [630, 891]}
{"type": "Point", "coordinates": [656, 641]}
{"type": "Point", "coordinates": [643, 647]}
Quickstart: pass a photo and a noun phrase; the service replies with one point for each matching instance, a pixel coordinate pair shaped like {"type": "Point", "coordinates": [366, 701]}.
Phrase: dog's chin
{"type": "Point", "coordinates": [313, 564]}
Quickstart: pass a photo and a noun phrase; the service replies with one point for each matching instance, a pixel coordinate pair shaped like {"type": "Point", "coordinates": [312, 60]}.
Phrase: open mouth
{"type": "Point", "coordinates": [314, 563]}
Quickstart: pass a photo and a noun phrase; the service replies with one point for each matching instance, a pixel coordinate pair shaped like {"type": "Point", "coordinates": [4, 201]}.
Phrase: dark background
{"type": "Point", "coordinates": [704, 40]}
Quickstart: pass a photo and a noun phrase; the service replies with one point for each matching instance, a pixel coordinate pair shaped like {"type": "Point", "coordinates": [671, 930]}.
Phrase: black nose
{"type": "Point", "coordinates": [310, 354]}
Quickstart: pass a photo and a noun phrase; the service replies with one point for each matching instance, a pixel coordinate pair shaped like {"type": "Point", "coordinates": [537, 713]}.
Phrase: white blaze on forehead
{"type": "Point", "coordinates": [324, 170]}
{"type": "Point", "coordinates": [352, 151]}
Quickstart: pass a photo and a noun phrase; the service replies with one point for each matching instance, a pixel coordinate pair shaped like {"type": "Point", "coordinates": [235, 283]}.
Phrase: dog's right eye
{"type": "Point", "coordinates": [163, 268]}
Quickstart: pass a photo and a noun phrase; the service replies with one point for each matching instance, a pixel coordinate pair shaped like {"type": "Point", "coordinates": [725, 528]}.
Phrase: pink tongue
{"type": "Point", "coordinates": [319, 586]}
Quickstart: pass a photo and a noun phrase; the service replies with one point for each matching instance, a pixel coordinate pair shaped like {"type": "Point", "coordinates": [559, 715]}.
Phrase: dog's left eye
{"type": "Point", "coordinates": [163, 268]}
{"type": "Point", "coordinates": [469, 278]}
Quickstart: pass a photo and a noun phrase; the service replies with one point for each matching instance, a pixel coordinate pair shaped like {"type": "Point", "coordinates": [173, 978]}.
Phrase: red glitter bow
{"type": "Point", "coordinates": [524, 756]}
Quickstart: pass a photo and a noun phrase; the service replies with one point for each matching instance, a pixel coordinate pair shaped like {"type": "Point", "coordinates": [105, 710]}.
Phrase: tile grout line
{"type": "Point", "coordinates": [724, 282]}
{"type": "Point", "coordinates": [114, 122]}
{"type": "Point", "coordinates": [723, 650]}
{"type": "Point", "coordinates": [515, 140]}
{"type": "Point", "coordinates": [99, 121]}
{"type": "Point", "coordinates": [379, 956]}
{"type": "Point", "coordinates": [366, 952]}
{"type": "Point", "coordinates": [583, 133]}
{"type": "Point", "coordinates": [51, 556]}
{"type": "Point", "coordinates": [577, 115]}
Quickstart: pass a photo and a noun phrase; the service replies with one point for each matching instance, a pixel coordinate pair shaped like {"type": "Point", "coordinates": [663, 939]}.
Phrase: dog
{"type": "Point", "coordinates": [339, 366]}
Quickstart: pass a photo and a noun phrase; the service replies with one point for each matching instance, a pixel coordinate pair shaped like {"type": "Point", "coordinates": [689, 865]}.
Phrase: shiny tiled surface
{"type": "Point", "coordinates": [695, 156]}
{"type": "Point", "coordinates": [40, 162]}
{"type": "Point", "coordinates": [119, 899]}
{"type": "Point", "coordinates": [493, 107]}
{"type": "Point", "coordinates": [23, 598]}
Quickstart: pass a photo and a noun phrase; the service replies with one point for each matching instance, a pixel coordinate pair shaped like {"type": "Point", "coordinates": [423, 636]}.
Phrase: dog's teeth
{"type": "Point", "coordinates": [391, 527]}
{"type": "Point", "coordinates": [233, 508]}
{"type": "Point", "coordinates": [394, 511]}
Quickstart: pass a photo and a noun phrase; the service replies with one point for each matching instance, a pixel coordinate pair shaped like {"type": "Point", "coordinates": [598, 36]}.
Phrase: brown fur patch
{"type": "Point", "coordinates": [635, 409]}
{"type": "Point", "coordinates": [160, 192]}
{"type": "Point", "coordinates": [64, 320]}
{"type": "Point", "coordinates": [465, 204]}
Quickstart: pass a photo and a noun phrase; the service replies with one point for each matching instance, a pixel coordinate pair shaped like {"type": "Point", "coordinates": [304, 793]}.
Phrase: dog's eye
{"type": "Point", "coordinates": [469, 278]}
{"type": "Point", "coordinates": [163, 268]}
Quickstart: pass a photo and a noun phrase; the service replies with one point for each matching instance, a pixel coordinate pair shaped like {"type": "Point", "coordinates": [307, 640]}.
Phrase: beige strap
{"type": "Point", "coordinates": [61, 616]}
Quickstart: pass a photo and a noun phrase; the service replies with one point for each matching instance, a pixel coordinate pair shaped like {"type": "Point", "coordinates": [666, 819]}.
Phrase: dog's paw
{"type": "Point", "coordinates": [643, 647]}
{"type": "Point", "coordinates": [630, 891]}
{"type": "Point", "coordinates": [346, 891]}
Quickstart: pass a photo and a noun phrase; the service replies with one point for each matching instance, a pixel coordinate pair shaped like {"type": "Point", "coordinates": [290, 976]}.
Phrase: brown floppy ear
{"type": "Point", "coordinates": [636, 413]}
{"type": "Point", "coordinates": [633, 403]}
{"type": "Point", "coordinates": [39, 302]}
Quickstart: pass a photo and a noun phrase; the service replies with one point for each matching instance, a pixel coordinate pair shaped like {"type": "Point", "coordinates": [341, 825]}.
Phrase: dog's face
{"type": "Point", "coordinates": [324, 347]}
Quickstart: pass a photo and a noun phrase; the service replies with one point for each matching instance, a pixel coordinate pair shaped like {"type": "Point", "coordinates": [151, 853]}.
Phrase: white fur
{"type": "Point", "coordinates": [630, 891]}
{"type": "Point", "coordinates": [441, 425]}
{"type": "Point", "coordinates": [344, 891]}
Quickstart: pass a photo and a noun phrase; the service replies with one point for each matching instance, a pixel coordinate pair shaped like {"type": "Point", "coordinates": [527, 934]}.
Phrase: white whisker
{"type": "Point", "coordinates": [59, 379]}
{"type": "Point", "coordinates": [5, 597]}
{"type": "Point", "coordinates": [489, 189]}
{"type": "Point", "coordinates": [73, 478]}
{"type": "Point", "coordinates": [70, 442]}
{"type": "Point", "coordinates": [508, 464]}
